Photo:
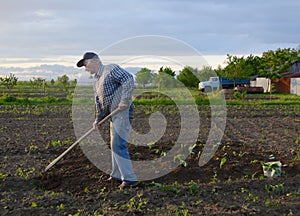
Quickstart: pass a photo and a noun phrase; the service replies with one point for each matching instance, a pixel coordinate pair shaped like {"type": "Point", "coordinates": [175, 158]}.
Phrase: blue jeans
{"type": "Point", "coordinates": [120, 126]}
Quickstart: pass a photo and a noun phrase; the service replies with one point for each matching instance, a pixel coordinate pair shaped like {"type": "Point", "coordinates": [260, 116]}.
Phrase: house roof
{"type": "Point", "coordinates": [295, 66]}
{"type": "Point", "coordinates": [290, 74]}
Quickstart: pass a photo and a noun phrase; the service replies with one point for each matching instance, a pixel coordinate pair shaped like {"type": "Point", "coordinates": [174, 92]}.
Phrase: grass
{"type": "Point", "coordinates": [175, 96]}
{"type": "Point", "coordinates": [34, 101]}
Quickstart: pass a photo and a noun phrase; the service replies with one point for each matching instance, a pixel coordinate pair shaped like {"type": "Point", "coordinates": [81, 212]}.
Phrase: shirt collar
{"type": "Point", "coordinates": [100, 72]}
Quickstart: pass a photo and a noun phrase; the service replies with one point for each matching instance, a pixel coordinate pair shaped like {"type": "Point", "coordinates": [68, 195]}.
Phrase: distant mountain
{"type": "Point", "coordinates": [132, 70]}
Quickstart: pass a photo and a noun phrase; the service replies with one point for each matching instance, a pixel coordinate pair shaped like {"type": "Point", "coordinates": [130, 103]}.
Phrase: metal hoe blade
{"type": "Point", "coordinates": [79, 140]}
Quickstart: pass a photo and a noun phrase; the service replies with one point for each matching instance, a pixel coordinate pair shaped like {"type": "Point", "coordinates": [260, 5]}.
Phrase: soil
{"type": "Point", "coordinates": [231, 183]}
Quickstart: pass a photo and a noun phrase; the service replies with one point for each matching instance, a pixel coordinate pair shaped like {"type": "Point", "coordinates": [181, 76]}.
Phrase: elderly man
{"type": "Point", "coordinates": [113, 90]}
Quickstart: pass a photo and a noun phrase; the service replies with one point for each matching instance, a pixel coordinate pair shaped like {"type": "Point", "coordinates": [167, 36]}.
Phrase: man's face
{"type": "Point", "coordinates": [89, 65]}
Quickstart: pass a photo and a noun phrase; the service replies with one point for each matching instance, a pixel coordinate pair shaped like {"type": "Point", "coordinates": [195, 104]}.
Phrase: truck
{"type": "Point", "coordinates": [215, 83]}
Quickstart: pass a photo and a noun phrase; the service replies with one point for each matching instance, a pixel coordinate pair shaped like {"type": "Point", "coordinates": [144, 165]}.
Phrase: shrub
{"type": "Point", "coordinates": [240, 95]}
{"type": "Point", "coordinates": [8, 98]}
{"type": "Point", "coordinates": [50, 99]}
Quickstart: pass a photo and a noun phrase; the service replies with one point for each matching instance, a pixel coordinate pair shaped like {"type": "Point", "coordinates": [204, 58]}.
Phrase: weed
{"type": "Point", "coordinates": [240, 95]}
{"type": "Point", "coordinates": [254, 161]}
{"type": "Point", "coordinates": [86, 190]}
{"type": "Point", "coordinates": [150, 145]}
{"type": "Point", "coordinates": [277, 189]}
{"type": "Point", "coordinates": [191, 149]}
{"type": "Point", "coordinates": [183, 212]}
{"type": "Point", "coordinates": [56, 143]}
{"type": "Point", "coordinates": [252, 198]}
{"type": "Point", "coordinates": [243, 190]}
{"type": "Point", "coordinates": [60, 207]}
{"type": "Point", "coordinates": [68, 141]}
{"type": "Point", "coordinates": [33, 148]}
{"type": "Point", "coordinates": [167, 188]}
{"type": "Point", "coordinates": [24, 173]}
{"type": "Point", "coordinates": [3, 128]}
{"type": "Point", "coordinates": [193, 188]}
{"type": "Point", "coordinates": [135, 204]}
{"type": "Point", "coordinates": [33, 205]}
{"type": "Point", "coordinates": [3, 176]}
{"type": "Point", "coordinates": [254, 174]}
{"type": "Point", "coordinates": [290, 213]}
{"type": "Point", "coordinates": [271, 203]}
{"type": "Point", "coordinates": [214, 179]}
{"type": "Point", "coordinates": [272, 169]}
{"type": "Point", "coordinates": [223, 161]}
{"type": "Point", "coordinates": [181, 158]}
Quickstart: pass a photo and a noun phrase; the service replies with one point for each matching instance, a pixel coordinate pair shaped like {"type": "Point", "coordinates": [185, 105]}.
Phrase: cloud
{"type": "Point", "coordinates": [45, 71]}
{"type": "Point", "coordinates": [39, 30]}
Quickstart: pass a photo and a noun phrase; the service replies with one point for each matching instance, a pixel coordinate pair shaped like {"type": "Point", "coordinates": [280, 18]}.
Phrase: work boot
{"type": "Point", "coordinates": [127, 184]}
{"type": "Point", "coordinates": [111, 180]}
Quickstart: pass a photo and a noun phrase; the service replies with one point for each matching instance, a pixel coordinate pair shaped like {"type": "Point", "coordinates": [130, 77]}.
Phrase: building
{"type": "Point", "coordinates": [283, 84]}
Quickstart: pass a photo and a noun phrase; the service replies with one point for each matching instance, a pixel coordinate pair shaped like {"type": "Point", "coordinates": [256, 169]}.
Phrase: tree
{"type": "Point", "coordinates": [188, 76]}
{"type": "Point", "coordinates": [237, 68]}
{"type": "Point", "coordinates": [63, 81]}
{"type": "Point", "coordinates": [37, 82]}
{"type": "Point", "coordinates": [144, 77]}
{"type": "Point", "coordinates": [9, 81]}
{"type": "Point", "coordinates": [205, 73]}
{"type": "Point", "coordinates": [255, 63]}
{"type": "Point", "coordinates": [165, 77]}
{"type": "Point", "coordinates": [273, 63]}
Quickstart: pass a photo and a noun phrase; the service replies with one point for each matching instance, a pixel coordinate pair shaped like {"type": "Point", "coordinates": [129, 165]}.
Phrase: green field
{"type": "Point", "coordinates": [54, 94]}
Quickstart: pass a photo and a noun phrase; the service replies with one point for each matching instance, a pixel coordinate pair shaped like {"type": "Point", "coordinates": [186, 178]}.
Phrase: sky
{"type": "Point", "coordinates": [47, 38]}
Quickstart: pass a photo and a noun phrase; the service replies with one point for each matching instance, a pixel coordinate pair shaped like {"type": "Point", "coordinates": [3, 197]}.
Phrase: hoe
{"type": "Point", "coordinates": [79, 140]}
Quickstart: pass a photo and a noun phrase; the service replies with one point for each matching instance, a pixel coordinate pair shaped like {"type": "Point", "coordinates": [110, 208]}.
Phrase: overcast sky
{"type": "Point", "coordinates": [47, 38]}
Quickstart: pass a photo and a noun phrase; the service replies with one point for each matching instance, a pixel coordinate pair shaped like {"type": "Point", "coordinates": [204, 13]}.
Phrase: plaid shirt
{"type": "Point", "coordinates": [112, 85]}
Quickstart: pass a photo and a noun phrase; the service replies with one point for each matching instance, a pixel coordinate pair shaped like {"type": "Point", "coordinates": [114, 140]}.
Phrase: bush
{"type": "Point", "coordinates": [240, 95]}
{"type": "Point", "coordinates": [8, 98]}
{"type": "Point", "coordinates": [50, 99]}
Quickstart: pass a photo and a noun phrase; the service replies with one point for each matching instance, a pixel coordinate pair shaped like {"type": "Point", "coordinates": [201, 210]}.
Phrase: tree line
{"type": "Point", "coordinates": [62, 82]}
{"type": "Point", "coordinates": [270, 64]}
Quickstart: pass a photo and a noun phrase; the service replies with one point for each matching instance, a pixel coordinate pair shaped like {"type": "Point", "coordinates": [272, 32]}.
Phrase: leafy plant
{"type": "Point", "coordinates": [181, 158]}
{"type": "Point", "coordinates": [167, 188]}
{"type": "Point", "coordinates": [33, 205]}
{"type": "Point", "coordinates": [9, 98]}
{"type": "Point", "coordinates": [24, 173]}
{"type": "Point", "coordinates": [277, 189]}
{"type": "Point", "coordinates": [240, 95]}
{"type": "Point", "coordinates": [60, 207]}
{"type": "Point", "coordinates": [56, 143]}
{"type": "Point", "coordinates": [272, 169]}
{"type": "Point", "coordinates": [50, 99]}
{"type": "Point", "coordinates": [223, 161]}
{"type": "Point", "coordinates": [33, 147]}
{"type": "Point", "coordinates": [193, 187]}
{"type": "Point", "coordinates": [3, 176]}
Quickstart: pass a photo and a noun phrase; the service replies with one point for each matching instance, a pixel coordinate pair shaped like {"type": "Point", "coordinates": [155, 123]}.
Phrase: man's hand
{"type": "Point", "coordinates": [96, 126]}
{"type": "Point", "coordinates": [122, 105]}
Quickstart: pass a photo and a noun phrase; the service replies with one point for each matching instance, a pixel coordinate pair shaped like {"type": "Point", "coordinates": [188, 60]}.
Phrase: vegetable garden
{"type": "Point", "coordinates": [231, 183]}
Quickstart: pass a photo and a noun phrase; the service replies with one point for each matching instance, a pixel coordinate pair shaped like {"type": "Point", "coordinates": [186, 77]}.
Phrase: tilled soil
{"type": "Point", "coordinates": [231, 183]}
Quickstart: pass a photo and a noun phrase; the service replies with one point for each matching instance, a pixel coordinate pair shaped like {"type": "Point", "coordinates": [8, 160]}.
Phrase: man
{"type": "Point", "coordinates": [113, 90]}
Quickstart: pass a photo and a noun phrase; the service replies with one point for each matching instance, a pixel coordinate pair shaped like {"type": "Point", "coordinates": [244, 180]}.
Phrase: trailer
{"type": "Point", "coordinates": [215, 83]}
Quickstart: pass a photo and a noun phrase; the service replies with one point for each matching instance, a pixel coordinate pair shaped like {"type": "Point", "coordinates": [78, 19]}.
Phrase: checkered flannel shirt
{"type": "Point", "coordinates": [112, 85]}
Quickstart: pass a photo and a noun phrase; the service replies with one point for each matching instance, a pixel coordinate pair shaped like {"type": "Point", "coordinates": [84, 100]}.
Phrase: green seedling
{"type": "Point", "coordinates": [271, 169]}
{"type": "Point", "coordinates": [181, 158]}
{"type": "Point", "coordinates": [223, 161]}
{"type": "Point", "coordinates": [56, 143]}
